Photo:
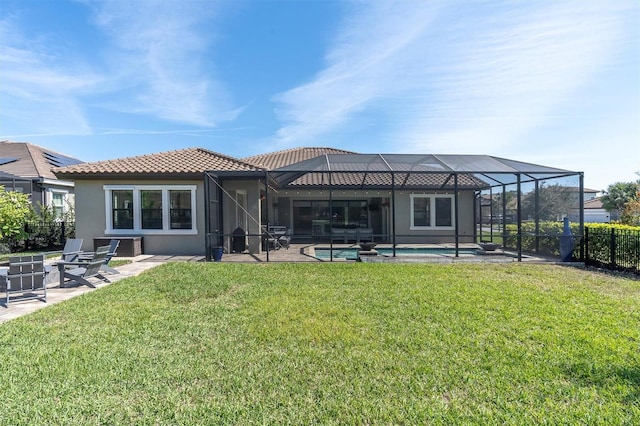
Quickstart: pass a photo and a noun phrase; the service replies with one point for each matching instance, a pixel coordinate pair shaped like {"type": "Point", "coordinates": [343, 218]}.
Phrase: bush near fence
{"type": "Point", "coordinates": [47, 235]}
{"type": "Point", "coordinates": [613, 247]}
{"type": "Point", "coordinates": [546, 242]}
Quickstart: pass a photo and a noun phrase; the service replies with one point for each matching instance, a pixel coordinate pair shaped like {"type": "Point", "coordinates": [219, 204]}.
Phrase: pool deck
{"type": "Point", "coordinates": [306, 253]}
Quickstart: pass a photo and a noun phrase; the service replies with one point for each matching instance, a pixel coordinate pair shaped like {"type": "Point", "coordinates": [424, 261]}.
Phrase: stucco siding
{"type": "Point", "coordinates": [91, 219]}
{"type": "Point", "coordinates": [406, 235]}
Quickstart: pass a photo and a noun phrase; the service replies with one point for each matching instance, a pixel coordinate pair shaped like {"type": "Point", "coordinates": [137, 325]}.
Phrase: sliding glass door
{"type": "Point", "coordinates": [312, 219]}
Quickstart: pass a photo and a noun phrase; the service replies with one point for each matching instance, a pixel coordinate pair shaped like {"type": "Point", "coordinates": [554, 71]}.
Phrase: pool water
{"type": "Point", "coordinates": [352, 253]}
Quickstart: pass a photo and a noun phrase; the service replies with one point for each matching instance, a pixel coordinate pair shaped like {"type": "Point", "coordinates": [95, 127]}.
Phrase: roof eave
{"type": "Point", "coordinates": [129, 176]}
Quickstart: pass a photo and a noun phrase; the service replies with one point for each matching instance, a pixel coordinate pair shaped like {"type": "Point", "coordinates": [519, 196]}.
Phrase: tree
{"type": "Point", "coordinates": [554, 202]}
{"type": "Point", "coordinates": [15, 210]}
{"type": "Point", "coordinates": [619, 194]}
{"type": "Point", "coordinates": [630, 214]}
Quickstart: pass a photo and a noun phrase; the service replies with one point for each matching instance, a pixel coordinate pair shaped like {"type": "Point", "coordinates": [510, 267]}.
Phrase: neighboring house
{"type": "Point", "coordinates": [590, 194]}
{"type": "Point", "coordinates": [594, 212]}
{"type": "Point", "coordinates": [188, 201]}
{"type": "Point", "coordinates": [26, 168]}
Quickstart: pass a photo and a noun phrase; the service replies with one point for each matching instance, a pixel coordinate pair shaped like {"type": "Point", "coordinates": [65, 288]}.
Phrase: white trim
{"type": "Point", "coordinates": [49, 193]}
{"type": "Point", "coordinates": [57, 182]}
{"type": "Point", "coordinates": [432, 203]}
{"type": "Point", "coordinates": [137, 212]}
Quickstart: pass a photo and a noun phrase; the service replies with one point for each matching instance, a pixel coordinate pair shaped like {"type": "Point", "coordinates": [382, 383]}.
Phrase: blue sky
{"type": "Point", "coordinates": [549, 82]}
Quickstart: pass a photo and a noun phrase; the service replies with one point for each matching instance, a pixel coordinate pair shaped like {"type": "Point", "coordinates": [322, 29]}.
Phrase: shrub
{"type": "Point", "coordinates": [546, 241]}
{"type": "Point", "coordinates": [15, 209]}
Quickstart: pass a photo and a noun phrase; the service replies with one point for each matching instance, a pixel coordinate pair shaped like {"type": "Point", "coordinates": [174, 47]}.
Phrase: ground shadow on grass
{"type": "Point", "coordinates": [586, 374]}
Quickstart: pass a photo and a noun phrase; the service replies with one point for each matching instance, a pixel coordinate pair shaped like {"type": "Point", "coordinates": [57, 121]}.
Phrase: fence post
{"type": "Point", "coordinates": [612, 248]}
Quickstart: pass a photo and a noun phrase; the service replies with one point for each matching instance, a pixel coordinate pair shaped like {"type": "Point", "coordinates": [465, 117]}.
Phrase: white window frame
{"type": "Point", "coordinates": [432, 202]}
{"type": "Point", "coordinates": [65, 200]}
{"type": "Point", "coordinates": [137, 210]}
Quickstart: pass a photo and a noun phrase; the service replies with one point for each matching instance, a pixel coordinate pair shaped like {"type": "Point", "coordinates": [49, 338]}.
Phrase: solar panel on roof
{"type": "Point", "coordinates": [7, 160]}
{"type": "Point", "coordinates": [58, 160]}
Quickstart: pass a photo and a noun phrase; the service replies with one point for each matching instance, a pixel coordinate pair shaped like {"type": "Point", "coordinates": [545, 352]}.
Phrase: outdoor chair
{"type": "Point", "coordinates": [82, 271]}
{"type": "Point", "coordinates": [278, 237]}
{"type": "Point", "coordinates": [72, 248]}
{"type": "Point", "coordinates": [24, 279]}
{"type": "Point", "coordinates": [113, 249]}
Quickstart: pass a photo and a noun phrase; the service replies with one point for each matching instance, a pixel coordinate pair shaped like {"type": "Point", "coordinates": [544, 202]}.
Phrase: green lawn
{"type": "Point", "coordinates": [343, 343]}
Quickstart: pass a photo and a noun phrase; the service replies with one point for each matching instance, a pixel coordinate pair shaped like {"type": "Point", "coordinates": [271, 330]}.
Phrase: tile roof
{"type": "Point", "coordinates": [273, 160]}
{"type": "Point", "coordinates": [31, 161]}
{"type": "Point", "coordinates": [185, 162]}
{"type": "Point", "coordinates": [594, 203]}
{"type": "Point", "coordinates": [384, 180]}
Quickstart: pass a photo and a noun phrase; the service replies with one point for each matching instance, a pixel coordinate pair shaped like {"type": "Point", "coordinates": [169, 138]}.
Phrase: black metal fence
{"type": "Point", "coordinates": [612, 248]}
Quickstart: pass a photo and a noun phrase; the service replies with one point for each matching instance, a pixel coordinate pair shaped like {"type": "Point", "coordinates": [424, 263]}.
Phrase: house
{"type": "Point", "coordinates": [590, 194]}
{"type": "Point", "coordinates": [26, 168]}
{"type": "Point", "coordinates": [158, 197]}
{"type": "Point", "coordinates": [191, 200]}
{"type": "Point", "coordinates": [594, 212]}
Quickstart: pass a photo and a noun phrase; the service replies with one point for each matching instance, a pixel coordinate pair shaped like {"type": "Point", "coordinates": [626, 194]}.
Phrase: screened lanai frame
{"type": "Point", "coordinates": [425, 172]}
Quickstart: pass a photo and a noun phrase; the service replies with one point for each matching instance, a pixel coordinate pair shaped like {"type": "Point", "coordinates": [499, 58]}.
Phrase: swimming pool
{"type": "Point", "coordinates": [351, 253]}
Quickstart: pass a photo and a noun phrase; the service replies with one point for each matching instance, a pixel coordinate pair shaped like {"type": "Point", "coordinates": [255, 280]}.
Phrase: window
{"type": "Point", "coordinates": [122, 213]}
{"type": "Point", "coordinates": [57, 203]}
{"type": "Point", "coordinates": [421, 211]}
{"type": "Point", "coordinates": [150, 209]}
{"type": "Point", "coordinates": [444, 211]}
{"type": "Point", "coordinates": [180, 209]}
{"type": "Point", "coordinates": [431, 211]}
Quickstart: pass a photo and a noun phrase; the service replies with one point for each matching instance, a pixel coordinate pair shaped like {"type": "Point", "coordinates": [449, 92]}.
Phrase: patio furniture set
{"type": "Point", "coordinates": [278, 237]}
{"type": "Point", "coordinates": [25, 277]}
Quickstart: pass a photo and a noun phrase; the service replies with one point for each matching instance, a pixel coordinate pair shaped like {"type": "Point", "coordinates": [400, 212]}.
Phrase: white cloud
{"type": "Point", "coordinates": [152, 63]}
{"type": "Point", "coordinates": [159, 49]}
{"type": "Point", "coordinates": [37, 96]}
{"type": "Point", "coordinates": [515, 74]}
{"type": "Point", "coordinates": [455, 77]}
{"type": "Point", "coordinates": [361, 67]}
